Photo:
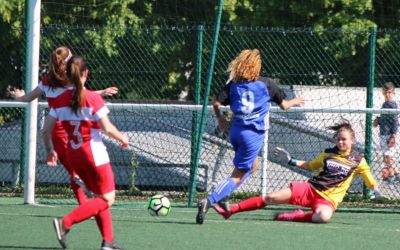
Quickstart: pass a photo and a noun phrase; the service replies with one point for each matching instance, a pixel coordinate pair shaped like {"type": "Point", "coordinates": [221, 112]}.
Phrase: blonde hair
{"type": "Point", "coordinates": [246, 66]}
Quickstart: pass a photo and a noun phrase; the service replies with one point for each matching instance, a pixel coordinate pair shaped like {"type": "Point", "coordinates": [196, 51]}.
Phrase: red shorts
{"type": "Point", "coordinates": [99, 180]}
{"type": "Point", "coordinates": [303, 194]}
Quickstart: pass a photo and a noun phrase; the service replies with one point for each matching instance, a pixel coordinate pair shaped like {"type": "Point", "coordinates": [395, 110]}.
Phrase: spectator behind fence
{"type": "Point", "coordinates": [388, 126]}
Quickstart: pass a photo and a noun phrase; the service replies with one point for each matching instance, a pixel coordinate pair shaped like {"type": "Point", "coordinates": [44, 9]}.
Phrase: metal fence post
{"type": "Point", "coordinates": [194, 165]}
{"type": "Point", "coordinates": [370, 90]}
{"type": "Point", "coordinates": [207, 92]}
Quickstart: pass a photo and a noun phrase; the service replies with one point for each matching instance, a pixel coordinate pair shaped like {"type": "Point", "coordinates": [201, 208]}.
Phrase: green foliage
{"type": "Point", "coordinates": [114, 23]}
{"type": "Point", "coordinates": [12, 47]}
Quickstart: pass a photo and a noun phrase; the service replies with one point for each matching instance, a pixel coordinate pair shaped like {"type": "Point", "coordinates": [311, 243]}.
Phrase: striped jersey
{"type": "Point", "coordinates": [336, 171]}
{"type": "Point", "coordinates": [83, 128]}
{"type": "Point", "coordinates": [51, 94]}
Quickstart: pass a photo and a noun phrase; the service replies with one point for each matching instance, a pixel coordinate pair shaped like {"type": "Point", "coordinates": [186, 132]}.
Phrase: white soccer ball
{"type": "Point", "coordinates": [159, 205]}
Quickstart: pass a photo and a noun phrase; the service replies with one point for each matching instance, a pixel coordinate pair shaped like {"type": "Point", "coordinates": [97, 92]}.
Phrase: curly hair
{"type": "Point", "coordinates": [246, 66]}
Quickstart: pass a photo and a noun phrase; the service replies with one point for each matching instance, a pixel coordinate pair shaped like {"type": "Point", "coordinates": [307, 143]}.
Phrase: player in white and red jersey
{"type": "Point", "coordinates": [83, 114]}
{"type": "Point", "coordinates": [53, 85]}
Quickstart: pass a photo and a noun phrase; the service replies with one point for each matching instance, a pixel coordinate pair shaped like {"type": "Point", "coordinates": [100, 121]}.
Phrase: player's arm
{"type": "Point", "coordinates": [222, 100]}
{"type": "Point", "coordinates": [108, 91]}
{"type": "Point", "coordinates": [21, 96]}
{"type": "Point", "coordinates": [278, 95]}
{"type": "Point", "coordinates": [286, 104]}
{"type": "Point", "coordinates": [284, 156]}
{"type": "Point", "coordinates": [364, 171]}
{"type": "Point", "coordinates": [51, 155]}
{"type": "Point", "coordinates": [222, 122]}
{"type": "Point", "coordinates": [110, 130]}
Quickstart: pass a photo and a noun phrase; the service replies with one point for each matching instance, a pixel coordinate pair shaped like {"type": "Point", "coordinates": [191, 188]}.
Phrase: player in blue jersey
{"type": "Point", "coordinates": [249, 97]}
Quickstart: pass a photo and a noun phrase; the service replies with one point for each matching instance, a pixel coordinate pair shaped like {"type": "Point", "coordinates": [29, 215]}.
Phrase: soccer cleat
{"type": "Point", "coordinates": [203, 206]}
{"type": "Point", "coordinates": [105, 245]}
{"type": "Point", "coordinates": [224, 204]}
{"type": "Point", "coordinates": [223, 212]}
{"type": "Point", "coordinates": [61, 231]}
{"type": "Point", "coordinates": [289, 216]}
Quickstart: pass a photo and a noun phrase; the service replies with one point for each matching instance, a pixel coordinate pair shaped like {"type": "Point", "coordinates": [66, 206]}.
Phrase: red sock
{"type": "Point", "coordinates": [104, 222]}
{"type": "Point", "coordinates": [84, 211]}
{"type": "Point", "coordinates": [250, 204]}
{"type": "Point", "coordinates": [78, 191]}
{"type": "Point", "coordinates": [307, 217]}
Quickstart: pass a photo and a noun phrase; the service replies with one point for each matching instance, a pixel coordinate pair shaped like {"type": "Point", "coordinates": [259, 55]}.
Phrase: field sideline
{"type": "Point", "coordinates": [30, 227]}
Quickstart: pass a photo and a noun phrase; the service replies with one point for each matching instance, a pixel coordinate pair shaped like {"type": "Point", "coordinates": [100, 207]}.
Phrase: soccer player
{"type": "Point", "coordinates": [83, 114]}
{"type": "Point", "coordinates": [337, 167]}
{"type": "Point", "coordinates": [53, 85]}
{"type": "Point", "coordinates": [249, 97]}
{"type": "Point", "coordinates": [388, 127]}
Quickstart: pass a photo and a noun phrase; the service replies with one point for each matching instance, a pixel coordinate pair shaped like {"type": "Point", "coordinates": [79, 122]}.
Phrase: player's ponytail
{"type": "Point", "coordinates": [58, 67]}
{"type": "Point", "coordinates": [76, 66]}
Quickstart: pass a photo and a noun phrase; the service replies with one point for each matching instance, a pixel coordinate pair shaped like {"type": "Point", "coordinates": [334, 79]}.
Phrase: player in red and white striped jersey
{"type": "Point", "coordinates": [53, 85]}
{"type": "Point", "coordinates": [83, 114]}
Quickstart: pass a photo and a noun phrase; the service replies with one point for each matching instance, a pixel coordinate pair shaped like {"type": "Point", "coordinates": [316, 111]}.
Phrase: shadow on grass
{"type": "Point", "coordinates": [26, 247]}
{"type": "Point", "coordinates": [163, 222]}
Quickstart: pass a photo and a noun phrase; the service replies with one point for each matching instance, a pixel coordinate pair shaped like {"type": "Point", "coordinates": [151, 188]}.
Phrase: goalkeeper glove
{"type": "Point", "coordinates": [284, 156]}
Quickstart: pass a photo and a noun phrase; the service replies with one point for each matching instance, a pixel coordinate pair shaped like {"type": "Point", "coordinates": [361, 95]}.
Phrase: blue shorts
{"type": "Point", "coordinates": [247, 145]}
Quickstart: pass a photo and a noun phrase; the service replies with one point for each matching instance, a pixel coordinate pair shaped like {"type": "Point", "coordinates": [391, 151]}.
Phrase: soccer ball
{"type": "Point", "coordinates": [159, 205]}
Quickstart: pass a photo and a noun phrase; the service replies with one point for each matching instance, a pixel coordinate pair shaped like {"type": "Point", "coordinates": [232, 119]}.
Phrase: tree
{"type": "Point", "coordinates": [118, 30]}
{"type": "Point", "coordinates": [12, 47]}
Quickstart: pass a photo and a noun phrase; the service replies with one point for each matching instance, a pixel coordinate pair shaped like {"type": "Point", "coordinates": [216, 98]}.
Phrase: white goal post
{"type": "Point", "coordinates": [31, 82]}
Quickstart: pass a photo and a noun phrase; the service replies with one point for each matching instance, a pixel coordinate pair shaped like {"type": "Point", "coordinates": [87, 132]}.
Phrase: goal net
{"type": "Point", "coordinates": [162, 145]}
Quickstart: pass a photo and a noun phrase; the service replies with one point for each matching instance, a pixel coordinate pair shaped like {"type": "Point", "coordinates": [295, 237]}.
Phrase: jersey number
{"type": "Point", "coordinates": [77, 135]}
{"type": "Point", "coordinates": [248, 102]}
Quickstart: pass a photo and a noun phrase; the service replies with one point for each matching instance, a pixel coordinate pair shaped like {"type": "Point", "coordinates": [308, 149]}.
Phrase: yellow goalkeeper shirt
{"type": "Point", "coordinates": [336, 171]}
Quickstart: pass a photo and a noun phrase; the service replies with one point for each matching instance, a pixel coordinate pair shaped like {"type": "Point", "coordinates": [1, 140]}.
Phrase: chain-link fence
{"type": "Point", "coordinates": [330, 68]}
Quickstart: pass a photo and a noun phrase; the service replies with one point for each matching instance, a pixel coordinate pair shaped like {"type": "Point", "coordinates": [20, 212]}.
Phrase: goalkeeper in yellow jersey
{"type": "Point", "coordinates": [337, 167]}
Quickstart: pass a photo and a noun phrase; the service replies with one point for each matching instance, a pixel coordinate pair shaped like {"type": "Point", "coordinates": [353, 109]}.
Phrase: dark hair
{"type": "Point", "coordinates": [343, 126]}
{"type": "Point", "coordinates": [388, 86]}
{"type": "Point", "coordinates": [76, 66]}
{"type": "Point", "coordinates": [57, 67]}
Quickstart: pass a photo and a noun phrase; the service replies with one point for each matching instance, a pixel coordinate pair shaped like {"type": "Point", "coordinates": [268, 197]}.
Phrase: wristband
{"type": "Point", "coordinates": [292, 162]}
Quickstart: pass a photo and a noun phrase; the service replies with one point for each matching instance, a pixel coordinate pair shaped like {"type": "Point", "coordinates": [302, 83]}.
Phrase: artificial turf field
{"type": "Point", "coordinates": [30, 227]}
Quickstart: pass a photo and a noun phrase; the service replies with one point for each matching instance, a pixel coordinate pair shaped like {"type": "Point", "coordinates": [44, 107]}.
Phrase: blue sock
{"type": "Point", "coordinates": [244, 178]}
{"type": "Point", "coordinates": [225, 189]}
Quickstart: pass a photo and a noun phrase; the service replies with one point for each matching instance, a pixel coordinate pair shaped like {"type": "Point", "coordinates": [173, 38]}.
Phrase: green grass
{"type": "Point", "coordinates": [30, 227]}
